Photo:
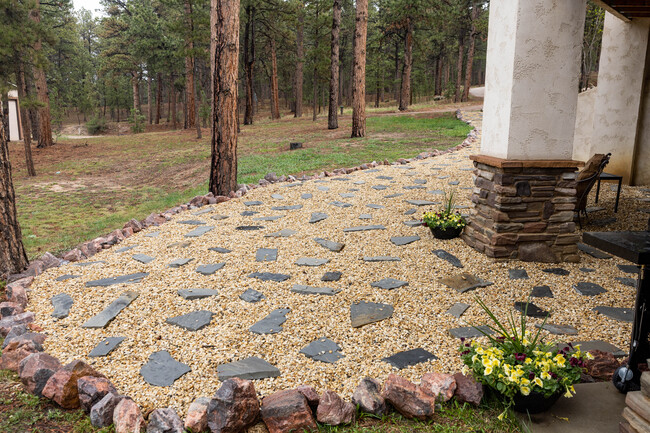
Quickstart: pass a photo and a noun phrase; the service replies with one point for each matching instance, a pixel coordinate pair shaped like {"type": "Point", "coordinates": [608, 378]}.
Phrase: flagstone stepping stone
{"type": "Point", "coordinates": [249, 228]}
{"type": "Point", "coordinates": [209, 269]}
{"type": "Point", "coordinates": [277, 196]}
{"type": "Point", "coordinates": [306, 196]}
{"type": "Point", "coordinates": [371, 259]}
{"type": "Point", "coordinates": [324, 188]}
{"type": "Point", "coordinates": [341, 179]}
{"type": "Point", "coordinates": [517, 274]}
{"type": "Point", "coordinates": [464, 282]}
{"type": "Point", "coordinates": [252, 368]}
{"type": "Point", "coordinates": [84, 264]}
{"type": "Point", "coordinates": [346, 194]}
{"type": "Point", "coordinates": [443, 177]}
{"type": "Point", "coordinates": [393, 195]}
{"type": "Point", "coordinates": [466, 169]}
{"type": "Point", "coordinates": [143, 258]}
{"type": "Point", "coordinates": [179, 245]}
{"type": "Point", "coordinates": [249, 213]}
{"type": "Point", "coordinates": [253, 203]}
{"type": "Point", "coordinates": [380, 187]}
{"type": "Point", "coordinates": [389, 284]}
{"type": "Point", "coordinates": [410, 211]}
{"type": "Point", "coordinates": [109, 313]}
{"type": "Point", "coordinates": [266, 255]}
{"type": "Point", "coordinates": [363, 228]}
{"type": "Point", "coordinates": [179, 262]}
{"type": "Point", "coordinates": [269, 218]}
{"type": "Point", "coordinates": [67, 277]}
{"type": "Point", "coordinates": [330, 245]}
{"type": "Point", "coordinates": [620, 314]}
{"type": "Point", "coordinates": [541, 292]}
{"type": "Point", "coordinates": [291, 185]}
{"type": "Point", "coordinates": [192, 222]}
{"type": "Point", "coordinates": [453, 182]}
{"type": "Point", "coordinates": [437, 192]}
{"type": "Point", "coordinates": [202, 211]}
{"type": "Point", "coordinates": [594, 252]}
{"type": "Point", "coordinates": [252, 296]}
{"type": "Point", "coordinates": [62, 304]}
{"type": "Point", "coordinates": [629, 269]}
{"type": "Point", "coordinates": [444, 255]}
{"type": "Point", "coordinates": [603, 346]}
{"type": "Point", "coordinates": [268, 276]}
{"type": "Point", "coordinates": [219, 217]}
{"type": "Point", "coordinates": [405, 167]}
{"type": "Point", "coordinates": [323, 350]}
{"type": "Point", "coordinates": [457, 309]}
{"type": "Point", "coordinates": [375, 206]}
{"type": "Point", "coordinates": [413, 223]}
{"type": "Point", "coordinates": [588, 289]}
{"type": "Point", "coordinates": [365, 216]}
{"type": "Point", "coordinates": [364, 313]}
{"type": "Point", "coordinates": [340, 204]}
{"type": "Point", "coordinates": [152, 235]}
{"type": "Point", "coordinates": [271, 324]}
{"type": "Point", "coordinates": [317, 216]}
{"type": "Point", "coordinates": [199, 231]}
{"type": "Point", "coordinates": [420, 181]}
{"type": "Point", "coordinates": [122, 279]}
{"type": "Point", "coordinates": [630, 282]}
{"type": "Point", "coordinates": [404, 240]}
{"type": "Point", "coordinates": [422, 202]}
{"type": "Point", "coordinates": [587, 270]}
{"type": "Point", "coordinates": [194, 294]}
{"type": "Point", "coordinates": [382, 177]}
{"type": "Point", "coordinates": [320, 181]}
{"type": "Point", "coordinates": [604, 221]}
{"type": "Point", "coordinates": [461, 206]}
{"type": "Point", "coordinates": [530, 309]}
{"type": "Point", "coordinates": [413, 187]}
{"type": "Point", "coordinates": [309, 261]}
{"type": "Point", "coordinates": [558, 329]}
{"type": "Point", "coordinates": [162, 369]}
{"type": "Point", "coordinates": [193, 321]}
{"type": "Point", "coordinates": [309, 290]}
{"type": "Point", "coordinates": [124, 249]}
{"type": "Point", "coordinates": [331, 276]}
{"type": "Point", "coordinates": [359, 182]}
{"type": "Point", "coordinates": [290, 207]}
{"type": "Point", "coordinates": [106, 346]}
{"type": "Point", "coordinates": [408, 358]}
{"type": "Point", "coordinates": [284, 233]}
{"type": "Point", "coordinates": [470, 331]}
{"type": "Point", "coordinates": [220, 250]}
{"type": "Point", "coordinates": [557, 271]}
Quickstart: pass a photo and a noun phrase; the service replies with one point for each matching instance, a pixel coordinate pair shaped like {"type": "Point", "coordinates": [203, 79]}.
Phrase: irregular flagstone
{"type": "Point", "coordinates": [380, 187]}
{"type": "Point", "coordinates": [84, 264]}
{"type": "Point", "coordinates": [291, 207]}
{"type": "Point", "coordinates": [363, 313]}
{"type": "Point", "coordinates": [340, 204]}
{"type": "Point", "coordinates": [414, 187]}
{"type": "Point", "coordinates": [359, 182]}
{"type": "Point", "coordinates": [277, 196]}
{"type": "Point", "coordinates": [404, 240]}
{"type": "Point", "coordinates": [271, 324]}
{"type": "Point", "coordinates": [192, 222]}
{"type": "Point", "coordinates": [410, 211]}
{"type": "Point", "coordinates": [393, 195]}
{"type": "Point", "coordinates": [331, 276]}
{"type": "Point", "coordinates": [541, 292]}
{"type": "Point", "coordinates": [252, 296]}
{"type": "Point", "coordinates": [470, 331]}
{"type": "Point", "coordinates": [284, 233]}
{"type": "Point", "coordinates": [124, 249]}
{"type": "Point", "coordinates": [67, 277]}
{"type": "Point", "coordinates": [268, 276]}
{"type": "Point", "coordinates": [363, 228]}
{"type": "Point", "coordinates": [62, 304]}
{"type": "Point", "coordinates": [252, 368]}
{"type": "Point", "coordinates": [323, 350]}
{"type": "Point", "coordinates": [193, 294]}
{"type": "Point", "coordinates": [179, 262]}
{"type": "Point", "coordinates": [330, 245]}
{"type": "Point", "coordinates": [375, 206]}
{"type": "Point", "coordinates": [530, 309]}
{"type": "Point", "coordinates": [219, 217]}
{"type": "Point", "coordinates": [220, 250]}
{"type": "Point", "coordinates": [436, 192]}
{"type": "Point", "coordinates": [253, 203]}
{"type": "Point", "coordinates": [309, 261]}
{"type": "Point", "coordinates": [143, 258]}
{"type": "Point", "coordinates": [193, 321]}
{"type": "Point", "coordinates": [249, 228]}
{"type": "Point", "coordinates": [179, 245]}
{"type": "Point", "coordinates": [249, 213]}
{"type": "Point", "coordinates": [594, 252]}
{"type": "Point", "coordinates": [199, 231]}
{"type": "Point", "coordinates": [408, 358]}
{"type": "Point", "coordinates": [420, 181]}
{"type": "Point", "coordinates": [365, 216]}
{"type": "Point", "coordinates": [162, 369]}
{"type": "Point", "coordinates": [464, 282]}
{"type": "Point", "coordinates": [306, 196]}
{"type": "Point", "coordinates": [346, 195]}
{"type": "Point", "coordinates": [422, 202]}
{"type": "Point", "coordinates": [202, 211]}
{"type": "Point", "coordinates": [588, 289]}
{"type": "Point", "coordinates": [210, 269]}
{"type": "Point", "coordinates": [413, 223]}
{"type": "Point", "coordinates": [517, 274]}
{"type": "Point", "coordinates": [381, 259]}
{"type": "Point", "coordinates": [309, 290]}
{"type": "Point", "coordinates": [269, 218]}
{"type": "Point", "coordinates": [444, 255]}
{"type": "Point", "coordinates": [109, 313]}
{"type": "Point", "coordinates": [324, 188]}
{"type": "Point", "coordinates": [620, 314]}
{"type": "Point", "coordinates": [389, 284]}
{"type": "Point", "coordinates": [152, 234]}
{"type": "Point", "coordinates": [453, 182]}
{"type": "Point", "coordinates": [106, 346]}
{"type": "Point", "coordinates": [629, 269]}
{"type": "Point", "coordinates": [630, 282]}
{"type": "Point", "coordinates": [382, 177]}
{"type": "Point", "coordinates": [458, 309]}
{"type": "Point", "coordinates": [587, 270]}
{"type": "Point", "coordinates": [557, 271]}
{"type": "Point", "coordinates": [266, 255]}
{"type": "Point", "coordinates": [558, 329]}
{"type": "Point", "coordinates": [443, 177]}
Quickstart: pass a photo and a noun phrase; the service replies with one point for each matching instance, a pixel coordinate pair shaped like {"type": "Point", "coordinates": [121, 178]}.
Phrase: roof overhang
{"type": "Point", "coordinates": [626, 9]}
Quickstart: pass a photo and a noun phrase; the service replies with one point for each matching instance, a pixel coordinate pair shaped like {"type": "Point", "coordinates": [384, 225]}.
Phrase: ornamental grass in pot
{"type": "Point", "coordinates": [446, 223]}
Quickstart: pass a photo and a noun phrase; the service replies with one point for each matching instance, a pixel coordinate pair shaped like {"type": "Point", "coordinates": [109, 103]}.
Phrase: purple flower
{"type": "Point", "coordinates": [462, 339]}
{"type": "Point", "coordinates": [464, 352]}
{"type": "Point", "coordinates": [531, 376]}
{"type": "Point", "coordinates": [520, 356]}
{"type": "Point", "coordinates": [553, 375]}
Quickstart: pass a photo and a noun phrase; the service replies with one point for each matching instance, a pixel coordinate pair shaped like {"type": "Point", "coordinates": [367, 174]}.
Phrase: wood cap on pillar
{"type": "Point", "coordinates": [528, 163]}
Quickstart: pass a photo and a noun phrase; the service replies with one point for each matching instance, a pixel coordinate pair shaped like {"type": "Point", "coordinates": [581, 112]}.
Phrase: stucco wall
{"type": "Point", "coordinates": [641, 169]}
{"type": "Point", "coordinates": [584, 125]}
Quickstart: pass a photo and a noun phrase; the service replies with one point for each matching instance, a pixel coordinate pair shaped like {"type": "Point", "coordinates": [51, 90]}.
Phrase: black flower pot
{"type": "Point", "coordinates": [448, 233]}
{"type": "Point", "coordinates": [535, 402]}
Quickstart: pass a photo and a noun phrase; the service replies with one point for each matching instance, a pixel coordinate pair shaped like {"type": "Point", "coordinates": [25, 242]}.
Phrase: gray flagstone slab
{"type": "Point", "coordinates": [192, 222]}
{"type": "Point", "coordinates": [457, 309]}
{"type": "Point", "coordinates": [381, 259]}
{"type": "Point", "coordinates": [470, 331]}
{"type": "Point", "coordinates": [616, 313]}
{"type": "Point", "coordinates": [464, 282]}
{"type": "Point", "coordinates": [331, 276]}
{"type": "Point", "coordinates": [67, 277]}
{"type": "Point", "coordinates": [309, 261]}
{"type": "Point", "coordinates": [364, 313]}
{"type": "Point", "coordinates": [389, 284]}
{"type": "Point", "coordinates": [330, 245]}
{"type": "Point", "coordinates": [62, 304]}
{"type": "Point", "coordinates": [444, 255]}
{"type": "Point", "coordinates": [284, 233]}
{"type": "Point", "coordinates": [588, 289]}
{"type": "Point", "coordinates": [268, 276]}
{"type": "Point", "coordinates": [109, 313]}
{"type": "Point", "coordinates": [193, 294]}
{"type": "Point", "coordinates": [199, 231]}
{"type": "Point", "coordinates": [290, 207]}
{"type": "Point", "coordinates": [340, 204]}
{"type": "Point", "coordinates": [252, 368]}
{"type": "Point", "coordinates": [106, 346]}
{"type": "Point", "coordinates": [253, 203]}
{"type": "Point", "coordinates": [408, 358]}
{"type": "Point", "coordinates": [310, 290]}
{"type": "Point", "coordinates": [364, 228]}
{"type": "Point", "coordinates": [220, 250]}
{"type": "Point", "coordinates": [422, 202]}
{"type": "Point", "coordinates": [162, 369]}
{"type": "Point", "coordinates": [404, 240]}
{"type": "Point", "coordinates": [317, 216]}
{"type": "Point", "coordinates": [558, 329]}
{"type": "Point", "coordinates": [143, 258]}
{"type": "Point", "coordinates": [271, 324]}
{"type": "Point", "coordinates": [266, 255]}
{"type": "Point", "coordinates": [210, 269]}
{"type": "Point", "coordinates": [177, 263]}
{"type": "Point", "coordinates": [324, 350]}
{"type": "Point", "coordinates": [193, 321]}
{"type": "Point", "coordinates": [122, 279]}
{"type": "Point", "coordinates": [252, 296]}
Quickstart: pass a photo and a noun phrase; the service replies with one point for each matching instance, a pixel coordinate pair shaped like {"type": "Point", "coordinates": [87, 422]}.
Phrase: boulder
{"type": "Point", "coordinates": [311, 395]}
{"type": "Point", "coordinates": [368, 397]}
{"type": "Point", "coordinates": [127, 417]}
{"type": "Point", "coordinates": [440, 385]}
{"type": "Point", "coordinates": [197, 415]}
{"type": "Point", "coordinates": [17, 291]}
{"type": "Point", "coordinates": [133, 224]}
{"type": "Point", "coordinates": [14, 332]}
{"type": "Point", "coordinates": [165, 421]}
{"type": "Point", "coordinates": [50, 261]}
{"type": "Point", "coordinates": [36, 337]}
{"type": "Point", "coordinates": [286, 411]}
{"type": "Point", "coordinates": [234, 408]}
{"type": "Point", "coordinates": [19, 319]}
{"type": "Point", "coordinates": [16, 351]}
{"type": "Point", "coordinates": [62, 386]}
{"type": "Point", "coordinates": [101, 414]}
{"type": "Point", "coordinates": [467, 389]}
{"type": "Point", "coordinates": [74, 255]}
{"type": "Point", "coordinates": [409, 399]}
{"type": "Point", "coordinates": [127, 232]}
{"type": "Point", "coordinates": [10, 309]}
{"type": "Point", "coordinates": [221, 198]}
{"type": "Point", "coordinates": [36, 369]}
{"type": "Point", "coordinates": [602, 366]}
{"type": "Point", "coordinates": [333, 410]}
{"type": "Point", "coordinates": [91, 389]}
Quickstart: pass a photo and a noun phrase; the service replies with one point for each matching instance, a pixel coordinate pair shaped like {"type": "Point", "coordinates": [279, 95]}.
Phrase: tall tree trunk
{"type": "Point", "coordinates": [173, 92]}
{"type": "Point", "coordinates": [332, 115]}
{"type": "Point", "coordinates": [24, 116]}
{"type": "Point", "coordinates": [13, 258]}
{"type": "Point", "coordinates": [396, 87]}
{"type": "Point", "coordinates": [438, 90]}
{"type": "Point", "coordinates": [44, 116]}
{"type": "Point", "coordinates": [136, 92]}
{"type": "Point", "coordinates": [249, 62]}
{"type": "Point", "coordinates": [300, 54]}
{"type": "Point", "coordinates": [315, 75]}
{"type": "Point", "coordinates": [189, 69]}
{"type": "Point", "coordinates": [149, 102]}
{"type": "Point", "coordinates": [405, 94]}
{"type": "Point", "coordinates": [470, 52]}
{"type": "Point", "coordinates": [275, 98]}
{"type": "Point", "coordinates": [359, 76]}
{"type": "Point", "coordinates": [223, 169]}
{"type": "Point", "coordinates": [459, 67]}
{"type": "Point", "coordinates": [158, 97]}
{"type": "Point", "coordinates": [197, 97]}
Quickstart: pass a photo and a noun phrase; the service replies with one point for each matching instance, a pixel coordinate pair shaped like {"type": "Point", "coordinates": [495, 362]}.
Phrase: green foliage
{"type": "Point", "coordinates": [137, 121]}
{"type": "Point", "coordinates": [96, 125]}
{"type": "Point", "coordinates": [446, 218]}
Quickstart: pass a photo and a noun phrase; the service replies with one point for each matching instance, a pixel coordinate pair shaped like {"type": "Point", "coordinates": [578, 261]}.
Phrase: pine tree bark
{"type": "Point", "coordinates": [189, 68]}
{"type": "Point", "coordinates": [223, 169]}
{"type": "Point", "coordinates": [24, 115]}
{"type": "Point", "coordinates": [438, 90]}
{"type": "Point", "coordinates": [249, 62]}
{"type": "Point", "coordinates": [459, 67]}
{"type": "Point", "coordinates": [275, 98]}
{"type": "Point", "coordinates": [315, 107]}
{"type": "Point", "coordinates": [470, 53]}
{"type": "Point", "coordinates": [149, 104]}
{"type": "Point", "coordinates": [136, 92]}
{"type": "Point", "coordinates": [44, 115]}
{"type": "Point", "coordinates": [300, 54]}
{"type": "Point", "coordinates": [405, 93]}
{"type": "Point", "coordinates": [158, 97]}
{"type": "Point", "coordinates": [359, 75]}
{"type": "Point", "coordinates": [332, 115]}
{"type": "Point", "coordinates": [13, 258]}
{"type": "Point", "coordinates": [197, 97]}
{"type": "Point", "coordinates": [172, 95]}
{"type": "Point", "coordinates": [396, 87]}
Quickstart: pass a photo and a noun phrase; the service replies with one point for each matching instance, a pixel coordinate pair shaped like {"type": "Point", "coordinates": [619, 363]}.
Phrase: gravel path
{"type": "Point", "coordinates": [302, 323]}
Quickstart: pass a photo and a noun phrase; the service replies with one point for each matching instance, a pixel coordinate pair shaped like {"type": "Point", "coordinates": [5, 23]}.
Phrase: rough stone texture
{"type": "Point", "coordinates": [17, 291]}
{"type": "Point", "coordinates": [464, 282]}
{"type": "Point", "coordinates": [109, 313]}
{"type": "Point", "coordinates": [127, 417]}
{"type": "Point", "coordinates": [311, 395]}
{"type": "Point", "coordinates": [457, 309]}
{"type": "Point", "coordinates": [332, 410]}
{"type": "Point", "coordinates": [455, 261]}
{"type": "Point", "coordinates": [367, 396]}
{"type": "Point", "coordinates": [389, 284]}
{"type": "Point", "coordinates": [602, 366]}
{"type": "Point", "coordinates": [331, 276]}
{"type": "Point", "coordinates": [193, 321]}
{"type": "Point", "coordinates": [440, 385]}
{"type": "Point", "coordinates": [324, 350]}
{"type": "Point", "coordinates": [193, 294]}
{"type": "Point", "coordinates": [251, 295]}
{"type": "Point", "coordinates": [470, 331]}
{"type": "Point", "coordinates": [165, 421]}
{"type": "Point", "coordinates": [19, 319]}
{"type": "Point", "coordinates": [408, 399]}
{"type": "Point", "coordinates": [210, 268]}
{"type": "Point", "coordinates": [268, 276]}
{"type": "Point", "coordinates": [365, 312]}
{"type": "Point", "coordinates": [62, 386]}
{"type": "Point", "coordinates": [467, 390]}
{"type": "Point", "coordinates": [330, 245]}
{"type": "Point", "coordinates": [9, 309]}
{"type": "Point", "coordinates": [310, 290]}
{"type": "Point", "coordinates": [122, 279]}
{"type": "Point", "coordinates": [101, 414]}
{"type": "Point", "coordinates": [250, 368]}
{"type": "Point", "coordinates": [408, 358]}
{"type": "Point", "coordinates": [163, 370]}
{"type": "Point", "coordinates": [541, 292]}
{"type": "Point", "coordinates": [62, 304]}
{"type": "Point", "coordinates": [92, 389]}
{"type": "Point", "coordinates": [287, 411]}
{"type": "Point", "coordinates": [530, 309]}
{"type": "Point", "coordinates": [36, 370]}
{"type": "Point", "coordinates": [17, 350]}
{"type": "Point", "coordinates": [197, 415]}
{"type": "Point", "coordinates": [106, 346]}
{"type": "Point", "coordinates": [271, 324]}
{"type": "Point", "coordinates": [234, 408]}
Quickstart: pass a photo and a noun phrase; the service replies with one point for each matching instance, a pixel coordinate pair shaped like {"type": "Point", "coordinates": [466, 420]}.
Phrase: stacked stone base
{"type": "Point", "coordinates": [524, 210]}
{"type": "Point", "coordinates": [636, 414]}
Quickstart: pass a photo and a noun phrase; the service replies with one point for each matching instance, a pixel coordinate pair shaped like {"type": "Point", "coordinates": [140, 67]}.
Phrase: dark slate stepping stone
{"type": "Point", "coordinates": [340, 204]}
{"type": "Point", "coordinates": [109, 313]}
{"type": "Point", "coordinates": [122, 279]}
{"type": "Point", "coordinates": [202, 211]}
{"type": "Point", "coordinates": [291, 185]}
{"type": "Point", "coordinates": [460, 206]}
{"type": "Point", "coordinates": [381, 259]}
{"type": "Point", "coordinates": [309, 290]}
{"type": "Point", "coordinates": [323, 188]}
{"type": "Point", "coordinates": [252, 296]}
{"type": "Point", "coordinates": [408, 358]}
{"type": "Point", "coordinates": [375, 206]}
{"type": "Point", "coordinates": [420, 181]}
{"type": "Point", "coordinates": [266, 254]}
{"type": "Point", "coordinates": [84, 264]}
{"type": "Point", "coordinates": [588, 289]}
{"type": "Point", "coordinates": [67, 277]}
{"type": "Point", "coordinates": [620, 314]}
{"type": "Point", "coordinates": [389, 284]}
{"type": "Point", "coordinates": [341, 179]}
{"type": "Point", "coordinates": [309, 261]}
{"type": "Point", "coordinates": [405, 167]}
{"type": "Point", "coordinates": [193, 294]}
{"type": "Point", "coordinates": [380, 187]}
{"type": "Point", "coordinates": [359, 182]}
{"type": "Point", "coordinates": [284, 233]}
{"type": "Point", "coordinates": [179, 244]}
{"type": "Point", "coordinates": [410, 211]}
{"type": "Point", "coordinates": [271, 324]}
{"type": "Point", "coordinates": [422, 202]}
{"type": "Point", "coordinates": [162, 369]}
{"type": "Point", "coordinates": [62, 304]}
{"type": "Point", "coordinates": [252, 368]}
{"type": "Point", "coordinates": [393, 195]}
{"type": "Point", "coordinates": [277, 196]}
{"type": "Point", "coordinates": [192, 321]}
{"type": "Point", "coordinates": [210, 268]}
{"type": "Point", "coordinates": [179, 262]}
{"type": "Point", "coordinates": [382, 177]}
{"type": "Point", "coordinates": [192, 222]}
{"type": "Point", "coordinates": [470, 331]}
{"type": "Point", "coordinates": [464, 282]}
{"type": "Point", "coordinates": [558, 329]}
{"type": "Point", "coordinates": [331, 276]}
{"type": "Point", "coordinates": [629, 269]}
{"type": "Point", "coordinates": [269, 218]}
{"type": "Point", "coordinates": [365, 216]}
{"type": "Point", "coordinates": [106, 346]}
{"type": "Point", "coordinates": [306, 196]}
{"type": "Point", "coordinates": [603, 346]}
{"type": "Point", "coordinates": [290, 207]}
{"type": "Point", "coordinates": [630, 282]}
{"type": "Point", "coordinates": [268, 276]}
{"type": "Point", "coordinates": [457, 309]}
{"type": "Point", "coordinates": [152, 234]}
{"type": "Point", "coordinates": [323, 350]}
{"type": "Point", "coordinates": [346, 195]}
{"type": "Point", "coordinates": [466, 169]}
{"type": "Point", "coordinates": [249, 228]}
{"type": "Point", "coordinates": [404, 240]}
{"type": "Point", "coordinates": [413, 223]}
{"type": "Point", "coordinates": [220, 250]}
{"type": "Point", "coordinates": [593, 209]}
{"type": "Point", "coordinates": [437, 192]}
{"type": "Point", "coordinates": [330, 245]}
{"type": "Point", "coordinates": [604, 221]}
{"type": "Point", "coordinates": [587, 270]}
{"type": "Point", "coordinates": [219, 217]}
{"type": "Point", "coordinates": [125, 249]}
{"type": "Point", "coordinates": [249, 213]}
{"type": "Point", "coordinates": [413, 187]}
{"type": "Point", "coordinates": [317, 216]}
{"type": "Point", "coordinates": [364, 228]}
{"type": "Point", "coordinates": [541, 292]}
{"type": "Point", "coordinates": [443, 177]}
{"type": "Point", "coordinates": [557, 271]}
{"type": "Point", "coordinates": [444, 255]}
{"type": "Point", "coordinates": [199, 231]}
{"type": "Point", "coordinates": [517, 274]}
{"type": "Point", "coordinates": [530, 309]}
{"type": "Point", "coordinates": [364, 313]}
{"type": "Point", "coordinates": [253, 203]}
{"type": "Point", "coordinates": [453, 182]}
{"type": "Point", "coordinates": [594, 252]}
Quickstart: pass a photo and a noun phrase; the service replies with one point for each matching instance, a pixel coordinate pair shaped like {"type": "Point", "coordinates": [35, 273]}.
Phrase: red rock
{"type": "Point", "coordinates": [311, 395]}
{"type": "Point", "coordinates": [34, 327]}
{"type": "Point", "coordinates": [10, 309]}
{"type": "Point", "coordinates": [16, 351]}
{"type": "Point", "coordinates": [73, 255]}
{"type": "Point", "coordinates": [234, 407]}
{"type": "Point", "coordinates": [440, 385]}
{"type": "Point", "coordinates": [101, 414]}
{"type": "Point", "coordinates": [92, 389]}
{"type": "Point", "coordinates": [36, 369]}
{"type": "Point", "coordinates": [127, 417]}
{"type": "Point", "coordinates": [333, 410]}
{"type": "Point", "coordinates": [90, 248]}
{"type": "Point", "coordinates": [286, 411]}
{"type": "Point", "coordinates": [165, 421]}
{"type": "Point", "coordinates": [134, 225]}
{"type": "Point", "coordinates": [221, 198]}
{"type": "Point", "coordinates": [17, 291]}
{"type": "Point", "coordinates": [409, 399]}
{"type": "Point", "coordinates": [62, 386]}
{"type": "Point", "coordinates": [602, 366]}
{"type": "Point", "coordinates": [197, 415]}
{"type": "Point", "coordinates": [50, 261]}
{"type": "Point", "coordinates": [19, 319]}
{"type": "Point", "coordinates": [212, 200]}
{"type": "Point", "coordinates": [368, 397]}
{"type": "Point", "coordinates": [467, 389]}
{"type": "Point", "coordinates": [127, 232]}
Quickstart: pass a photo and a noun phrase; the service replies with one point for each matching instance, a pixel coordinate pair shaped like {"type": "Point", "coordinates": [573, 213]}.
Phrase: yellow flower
{"type": "Point", "coordinates": [528, 361]}
{"type": "Point", "coordinates": [524, 390]}
{"type": "Point", "coordinates": [488, 371]}
{"type": "Point", "coordinates": [545, 375]}
{"type": "Point", "coordinates": [589, 355]}
{"type": "Point", "coordinates": [568, 394]}
{"type": "Point", "coordinates": [500, 417]}
{"type": "Point", "coordinates": [525, 381]}
{"type": "Point", "coordinates": [538, 382]}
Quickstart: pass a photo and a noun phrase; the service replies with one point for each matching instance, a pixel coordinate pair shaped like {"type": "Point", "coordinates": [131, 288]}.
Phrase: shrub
{"type": "Point", "coordinates": [96, 125]}
{"type": "Point", "coordinates": [137, 121]}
